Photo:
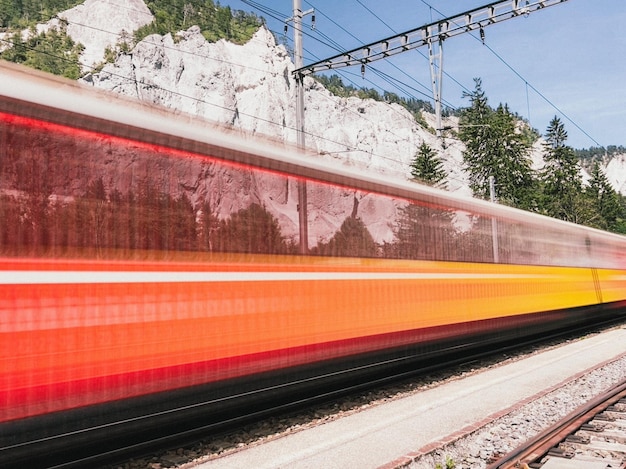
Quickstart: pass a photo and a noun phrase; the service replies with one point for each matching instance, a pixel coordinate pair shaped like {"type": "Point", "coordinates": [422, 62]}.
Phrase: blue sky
{"type": "Point", "coordinates": [568, 60]}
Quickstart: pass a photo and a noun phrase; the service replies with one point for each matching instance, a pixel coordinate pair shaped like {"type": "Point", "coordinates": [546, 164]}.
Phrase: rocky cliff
{"type": "Point", "coordinates": [98, 24]}
{"type": "Point", "coordinates": [250, 87]}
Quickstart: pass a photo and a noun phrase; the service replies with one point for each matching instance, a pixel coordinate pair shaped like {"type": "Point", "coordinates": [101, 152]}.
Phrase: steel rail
{"type": "Point", "coordinates": [182, 438]}
{"type": "Point", "coordinates": [539, 446]}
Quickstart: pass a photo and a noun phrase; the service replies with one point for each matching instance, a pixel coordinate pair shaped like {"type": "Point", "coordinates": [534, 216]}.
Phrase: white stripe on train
{"type": "Point", "coordinates": [23, 277]}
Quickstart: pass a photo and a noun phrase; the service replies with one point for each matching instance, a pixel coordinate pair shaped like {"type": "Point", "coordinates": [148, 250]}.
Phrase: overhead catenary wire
{"type": "Point", "coordinates": [399, 85]}
{"type": "Point", "coordinates": [199, 100]}
{"type": "Point", "coordinates": [403, 72]}
{"type": "Point", "coordinates": [333, 45]}
{"type": "Point", "coordinates": [551, 103]}
{"type": "Point", "coordinates": [278, 15]}
{"type": "Point", "coordinates": [375, 15]}
{"type": "Point", "coordinates": [247, 66]}
{"type": "Point", "coordinates": [173, 92]}
{"type": "Point", "coordinates": [519, 75]}
{"type": "Point", "coordinates": [328, 41]}
{"type": "Point", "coordinates": [31, 11]}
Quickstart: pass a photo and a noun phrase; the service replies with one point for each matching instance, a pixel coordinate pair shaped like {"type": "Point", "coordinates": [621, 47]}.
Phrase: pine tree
{"type": "Point", "coordinates": [427, 167]}
{"type": "Point", "coordinates": [604, 199]}
{"type": "Point", "coordinates": [620, 223]}
{"type": "Point", "coordinates": [561, 178]}
{"type": "Point", "coordinates": [495, 146]}
{"type": "Point", "coordinates": [52, 51]}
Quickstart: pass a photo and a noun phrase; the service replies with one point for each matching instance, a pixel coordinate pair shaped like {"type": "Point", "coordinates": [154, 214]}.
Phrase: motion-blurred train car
{"type": "Point", "coordinates": [151, 265]}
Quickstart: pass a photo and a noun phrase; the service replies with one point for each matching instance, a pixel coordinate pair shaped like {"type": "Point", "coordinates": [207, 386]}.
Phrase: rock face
{"type": "Point", "coordinates": [616, 173]}
{"type": "Point", "coordinates": [250, 87]}
{"type": "Point", "coordinates": [98, 24]}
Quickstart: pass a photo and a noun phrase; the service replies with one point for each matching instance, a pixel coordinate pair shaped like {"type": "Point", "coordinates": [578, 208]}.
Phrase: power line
{"type": "Point", "coordinates": [559, 110]}
{"type": "Point", "coordinates": [331, 43]}
{"type": "Point", "coordinates": [528, 85]}
{"type": "Point", "coordinates": [205, 57]}
{"type": "Point", "coordinates": [395, 83]}
{"type": "Point", "coordinates": [334, 45]}
{"type": "Point", "coordinates": [173, 92]}
{"type": "Point", "coordinates": [375, 15]}
{"type": "Point", "coordinates": [340, 49]}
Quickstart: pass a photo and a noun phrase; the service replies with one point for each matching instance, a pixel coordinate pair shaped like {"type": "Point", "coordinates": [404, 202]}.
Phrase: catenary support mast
{"type": "Point", "coordinates": [435, 59]}
{"type": "Point", "coordinates": [431, 35]}
{"type": "Point", "coordinates": [299, 77]}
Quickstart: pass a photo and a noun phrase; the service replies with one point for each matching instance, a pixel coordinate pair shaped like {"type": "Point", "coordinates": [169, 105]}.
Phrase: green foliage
{"type": "Point", "coordinates": [620, 223]}
{"type": "Point", "coordinates": [604, 200]}
{"type": "Point", "coordinates": [215, 21]}
{"type": "Point", "coordinates": [53, 51]}
{"type": "Point", "coordinates": [22, 14]}
{"type": "Point", "coordinates": [495, 147]}
{"type": "Point", "coordinates": [594, 152]}
{"type": "Point", "coordinates": [561, 179]}
{"type": "Point", "coordinates": [427, 167]}
{"type": "Point", "coordinates": [450, 464]}
{"type": "Point", "coordinates": [123, 45]}
{"type": "Point", "coordinates": [498, 143]}
{"type": "Point", "coordinates": [563, 194]}
{"type": "Point", "coordinates": [336, 86]}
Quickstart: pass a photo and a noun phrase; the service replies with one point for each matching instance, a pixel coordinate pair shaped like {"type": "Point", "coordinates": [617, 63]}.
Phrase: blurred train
{"type": "Point", "coordinates": [151, 271]}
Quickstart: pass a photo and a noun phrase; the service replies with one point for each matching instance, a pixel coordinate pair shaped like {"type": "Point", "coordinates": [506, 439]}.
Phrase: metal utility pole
{"type": "Point", "coordinates": [494, 222]}
{"type": "Point", "coordinates": [435, 59]}
{"type": "Point", "coordinates": [431, 35]}
{"type": "Point", "coordinates": [299, 77]}
{"type": "Point", "coordinates": [299, 61]}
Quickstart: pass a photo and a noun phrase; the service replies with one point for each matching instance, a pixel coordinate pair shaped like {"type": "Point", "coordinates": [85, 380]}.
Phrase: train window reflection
{"type": "Point", "coordinates": [66, 192]}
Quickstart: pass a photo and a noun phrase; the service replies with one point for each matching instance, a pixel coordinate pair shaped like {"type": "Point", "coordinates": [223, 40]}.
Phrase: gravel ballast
{"type": "Point", "coordinates": [468, 449]}
{"type": "Point", "coordinates": [503, 435]}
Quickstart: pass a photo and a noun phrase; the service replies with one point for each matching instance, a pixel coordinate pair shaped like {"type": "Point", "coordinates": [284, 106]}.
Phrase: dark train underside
{"type": "Point", "coordinates": [99, 433]}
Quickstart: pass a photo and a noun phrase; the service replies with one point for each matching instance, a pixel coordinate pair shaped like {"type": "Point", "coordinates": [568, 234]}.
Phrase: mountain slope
{"type": "Point", "coordinates": [250, 87]}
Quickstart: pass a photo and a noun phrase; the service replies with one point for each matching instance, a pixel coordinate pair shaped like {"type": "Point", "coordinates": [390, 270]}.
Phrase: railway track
{"type": "Point", "coordinates": [301, 418]}
{"type": "Point", "coordinates": [91, 452]}
{"type": "Point", "coordinates": [141, 308]}
{"type": "Point", "coordinates": [591, 437]}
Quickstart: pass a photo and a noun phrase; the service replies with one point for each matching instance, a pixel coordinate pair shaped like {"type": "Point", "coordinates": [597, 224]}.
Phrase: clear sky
{"type": "Point", "coordinates": [567, 60]}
